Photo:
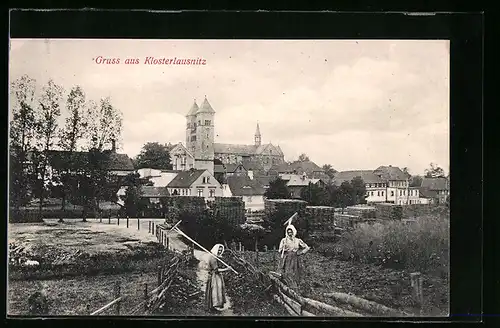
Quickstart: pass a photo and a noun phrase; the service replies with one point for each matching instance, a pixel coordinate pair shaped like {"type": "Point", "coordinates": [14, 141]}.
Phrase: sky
{"type": "Point", "coordinates": [353, 104]}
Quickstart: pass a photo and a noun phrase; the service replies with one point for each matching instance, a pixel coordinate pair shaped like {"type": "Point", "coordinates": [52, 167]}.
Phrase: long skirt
{"type": "Point", "coordinates": [215, 294]}
{"type": "Point", "coordinates": [291, 269]}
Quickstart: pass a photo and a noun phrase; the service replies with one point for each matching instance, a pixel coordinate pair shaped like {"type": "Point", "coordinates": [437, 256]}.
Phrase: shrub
{"type": "Point", "coordinates": [421, 246]}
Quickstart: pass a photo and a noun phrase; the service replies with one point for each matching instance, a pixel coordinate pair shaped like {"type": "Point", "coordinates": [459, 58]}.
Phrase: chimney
{"type": "Point", "coordinates": [113, 145]}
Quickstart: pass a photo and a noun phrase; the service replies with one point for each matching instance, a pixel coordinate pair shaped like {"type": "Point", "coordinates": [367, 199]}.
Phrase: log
{"type": "Point", "coordinates": [330, 309]}
{"type": "Point", "coordinates": [291, 302]}
{"type": "Point", "coordinates": [290, 292]}
{"type": "Point", "coordinates": [287, 308]}
{"type": "Point", "coordinates": [363, 304]}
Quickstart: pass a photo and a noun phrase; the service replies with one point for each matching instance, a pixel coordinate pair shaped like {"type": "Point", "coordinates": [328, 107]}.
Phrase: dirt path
{"type": "Point", "coordinates": [175, 243]}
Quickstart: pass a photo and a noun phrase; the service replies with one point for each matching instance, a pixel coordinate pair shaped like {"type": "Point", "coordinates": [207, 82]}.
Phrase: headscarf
{"type": "Point", "coordinates": [215, 249]}
{"type": "Point", "coordinates": [290, 227]}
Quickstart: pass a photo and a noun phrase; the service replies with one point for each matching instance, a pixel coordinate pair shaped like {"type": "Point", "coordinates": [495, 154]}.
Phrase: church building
{"type": "Point", "coordinates": [200, 149]}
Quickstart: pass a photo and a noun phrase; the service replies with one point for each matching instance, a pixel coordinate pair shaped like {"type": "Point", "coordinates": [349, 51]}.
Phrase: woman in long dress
{"type": "Point", "coordinates": [292, 247]}
{"type": "Point", "coordinates": [215, 294]}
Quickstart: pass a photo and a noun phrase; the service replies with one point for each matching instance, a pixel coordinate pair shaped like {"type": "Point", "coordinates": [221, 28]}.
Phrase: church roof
{"type": "Point", "coordinates": [234, 149]}
{"type": "Point", "coordinates": [193, 110]}
{"type": "Point", "coordinates": [205, 107]}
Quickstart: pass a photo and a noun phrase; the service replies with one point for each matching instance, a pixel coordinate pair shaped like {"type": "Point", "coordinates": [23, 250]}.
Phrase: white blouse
{"type": "Point", "coordinates": [293, 244]}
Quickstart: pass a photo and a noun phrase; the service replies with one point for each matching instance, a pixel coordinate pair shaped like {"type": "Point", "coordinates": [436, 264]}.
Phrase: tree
{"type": "Point", "coordinates": [315, 195]}
{"type": "Point", "coordinates": [345, 194]}
{"type": "Point", "coordinates": [329, 171]}
{"type": "Point", "coordinates": [358, 191]}
{"type": "Point", "coordinates": [303, 158]}
{"type": "Point", "coordinates": [277, 190]}
{"type": "Point", "coordinates": [22, 135]}
{"type": "Point", "coordinates": [416, 181]}
{"type": "Point", "coordinates": [132, 199]}
{"type": "Point", "coordinates": [72, 132]}
{"type": "Point", "coordinates": [154, 155]}
{"type": "Point", "coordinates": [103, 128]}
{"type": "Point", "coordinates": [46, 128]}
{"type": "Point", "coordinates": [434, 171]}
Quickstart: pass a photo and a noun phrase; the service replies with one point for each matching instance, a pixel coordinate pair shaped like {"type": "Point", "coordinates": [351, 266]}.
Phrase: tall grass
{"type": "Point", "coordinates": [420, 246]}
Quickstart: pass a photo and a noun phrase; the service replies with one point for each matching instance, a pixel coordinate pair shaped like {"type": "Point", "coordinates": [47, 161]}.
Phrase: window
{"type": "Point", "coordinates": [401, 193]}
{"type": "Point", "coordinates": [392, 193]}
{"type": "Point", "coordinates": [369, 185]}
{"type": "Point", "coordinates": [378, 193]}
{"type": "Point", "coordinates": [208, 179]}
{"type": "Point", "coordinates": [382, 193]}
{"type": "Point", "coordinates": [212, 193]}
{"type": "Point", "coordinates": [207, 122]}
{"type": "Point", "coordinates": [200, 192]}
{"type": "Point", "coordinates": [371, 193]}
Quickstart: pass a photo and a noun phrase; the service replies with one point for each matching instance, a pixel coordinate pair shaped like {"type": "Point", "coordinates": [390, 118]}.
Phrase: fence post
{"type": "Point", "coordinates": [256, 252]}
{"type": "Point", "coordinates": [118, 220]}
{"type": "Point", "coordinates": [167, 243]}
{"type": "Point", "coordinates": [192, 250]}
{"type": "Point", "coordinates": [138, 224]}
{"type": "Point", "coordinates": [117, 294]}
{"type": "Point", "coordinates": [153, 228]}
{"type": "Point", "coordinates": [109, 219]}
{"type": "Point", "coordinates": [100, 219]}
{"type": "Point", "coordinates": [416, 283]}
{"type": "Point", "coordinates": [127, 221]}
{"type": "Point", "coordinates": [145, 297]}
{"type": "Point", "coordinates": [239, 246]}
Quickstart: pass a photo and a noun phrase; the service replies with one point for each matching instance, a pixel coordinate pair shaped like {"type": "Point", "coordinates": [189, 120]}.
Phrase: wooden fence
{"type": "Point", "coordinates": [166, 274]}
{"type": "Point", "coordinates": [298, 305]}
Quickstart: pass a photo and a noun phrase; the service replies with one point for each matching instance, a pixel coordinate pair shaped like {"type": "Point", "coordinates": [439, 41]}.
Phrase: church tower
{"type": "Point", "coordinates": [204, 144]}
{"type": "Point", "coordinates": [257, 137]}
{"type": "Point", "coordinates": [191, 127]}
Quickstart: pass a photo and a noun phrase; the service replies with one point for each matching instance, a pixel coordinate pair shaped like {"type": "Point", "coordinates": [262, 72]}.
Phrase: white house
{"type": "Point", "coordinates": [193, 182]}
{"type": "Point", "coordinates": [248, 189]}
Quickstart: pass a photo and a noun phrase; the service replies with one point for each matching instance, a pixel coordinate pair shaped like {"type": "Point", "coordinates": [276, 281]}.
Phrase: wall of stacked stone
{"type": "Point", "coordinates": [418, 210]}
{"type": "Point", "coordinates": [230, 209]}
{"type": "Point", "coordinates": [320, 218]}
{"type": "Point", "coordinates": [385, 211]}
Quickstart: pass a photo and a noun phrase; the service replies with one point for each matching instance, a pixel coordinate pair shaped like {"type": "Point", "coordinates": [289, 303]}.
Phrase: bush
{"type": "Point", "coordinates": [421, 246]}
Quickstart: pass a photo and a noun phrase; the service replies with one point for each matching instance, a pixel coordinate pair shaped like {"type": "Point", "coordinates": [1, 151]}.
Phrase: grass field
{"type": "Point", "coordinates": [125, 255]}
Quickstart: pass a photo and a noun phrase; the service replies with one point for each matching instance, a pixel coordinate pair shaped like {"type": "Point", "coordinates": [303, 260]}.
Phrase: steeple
{"type": "Point", "coordinates": [193, 110]}
{"type": "Point", "coordinates": [257, 137]}
{"type": "Point", "coordinates": [205, 107]}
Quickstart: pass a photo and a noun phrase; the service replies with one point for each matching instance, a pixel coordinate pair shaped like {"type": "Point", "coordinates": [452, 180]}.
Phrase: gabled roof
{"type": "Point", "coordinates": [435, 183]}
{"type": "Point", "coordinates": [205, 107]}
{"type": "Point", "coordinates": [220, 148]}
{"type": "Point", "coordinates": [219, 168]}
{"type": "Point", "coordinates": [426, 193]}
{"type": "Point", "coordinates": [230, 168]}
{"type": "Point", "coordinates": [154, 192]}
{"type": "Point", "coordinates": [252, 164]}
{"type": "Point", "coordinates": [298, 167]}
{"type": "Point", "coordinates": [244, 186]}
{"type": "Point", "coordinates": [182, 148]}
{"type": "Point", "coordinates": [298, 181]}
{"type": "Point", "coordinates": [264, 180]}
{"type": "Point", "coordinates": [367, 175]}
{"type": "Point", "coordinates": [391, 173]}
{"type": "Point", "coordinates": [185, 179]}
{"type": "Point", "coordinates": [193, 110]}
